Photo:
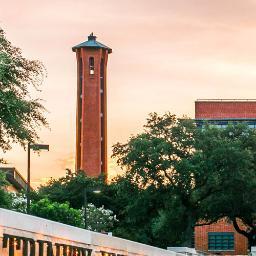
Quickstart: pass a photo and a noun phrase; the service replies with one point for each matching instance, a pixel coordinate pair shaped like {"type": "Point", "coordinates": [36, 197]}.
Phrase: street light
{"type": "Point", "coordinates": [35, 147]}
{"type": "Point", "coordinates": [96, 191]}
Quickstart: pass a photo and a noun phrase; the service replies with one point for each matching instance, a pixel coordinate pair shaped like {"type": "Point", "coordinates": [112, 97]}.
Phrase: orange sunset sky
{"type": "Point", "coordinates": [166, 54]}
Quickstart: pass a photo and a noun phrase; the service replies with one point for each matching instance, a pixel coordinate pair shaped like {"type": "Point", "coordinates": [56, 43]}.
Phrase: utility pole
{"type": "Point", "coordinates": [35, 147]}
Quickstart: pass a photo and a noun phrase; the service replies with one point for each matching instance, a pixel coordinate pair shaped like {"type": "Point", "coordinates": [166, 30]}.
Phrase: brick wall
{"type": "Point", "coordinates": [91, 153]}
{"type": "Point", "coordinates": [225, 109]}
{"type": "Point", "coordinates": [201, 238]}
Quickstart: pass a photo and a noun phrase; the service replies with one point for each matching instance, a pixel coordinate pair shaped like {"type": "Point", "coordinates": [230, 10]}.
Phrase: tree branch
{"type": "Point", "coordinates": [205, 223]}
{"type": "Point", "coordinates": [239, 230]}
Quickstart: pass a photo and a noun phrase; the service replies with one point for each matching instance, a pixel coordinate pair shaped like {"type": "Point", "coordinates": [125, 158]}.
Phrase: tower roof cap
{"type": "Point", "coordinates": [91, 43]}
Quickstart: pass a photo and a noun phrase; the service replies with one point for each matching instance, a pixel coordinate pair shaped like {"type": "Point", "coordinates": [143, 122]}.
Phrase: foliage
{"type": "Point", "coordinates": [3, 181]}
{"type": "Point", "coordinates": [20, 115]}
{"type": "Point", "coordinates": [99, 219]}
{"type": "Point", "coordinates": [19, 202]}
{"type": "Point", "coordinates": [152, 157]}
{"type": "Point", "coordinates": [156, 161]}
{"type": "Point", "coordinates": [60, 212]}
{"type": "Point", "coordinates": [70, 188]}
{"type": "Point", "coordinates": [190, 175]}
{"type": "Point", "coordinates": [228, 156]}
{"type": "Point", "coordinates": [5, 198]}
{"type": "Point", "coordinates": [176, 177]}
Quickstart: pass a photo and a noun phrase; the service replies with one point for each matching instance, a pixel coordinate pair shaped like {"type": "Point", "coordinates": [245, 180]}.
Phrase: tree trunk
{"type": "Point", "coordinates": [188, 233]}
{"type": "Point", "coordinates": [244, 233]}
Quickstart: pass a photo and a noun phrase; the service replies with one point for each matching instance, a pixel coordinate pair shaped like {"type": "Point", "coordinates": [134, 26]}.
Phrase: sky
{"type": "Point", "coordinates": [166, 54]}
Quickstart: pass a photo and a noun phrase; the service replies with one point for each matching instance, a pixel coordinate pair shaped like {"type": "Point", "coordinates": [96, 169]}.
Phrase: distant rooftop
{"type": "Point", "coordinates": [91, 43]}
{"type": "Point", "coordinates": [14, 178]}
{"type": "Point", "coordinates": [225, 109]}
{"type": "Point", "coordinates": [227, 100]}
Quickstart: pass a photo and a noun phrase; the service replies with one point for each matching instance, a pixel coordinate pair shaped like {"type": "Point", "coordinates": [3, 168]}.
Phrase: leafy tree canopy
{"type": "Point", "coordinates": [5, 197]}
{"type": "Point", "coordinates": [60, 212]}
{"type": "Point", "coordinates": [70, 188]}
{"type": "Point", "coordinates": [198, 176]}
{"type": "Point", "coordinates": [228, 159]}
{"type": "Point", "coordinates": [176, 177]}
{"type": "Point", "coordinates": [156, 163]}
{"type": "Point", "coordinates": [20, 115]}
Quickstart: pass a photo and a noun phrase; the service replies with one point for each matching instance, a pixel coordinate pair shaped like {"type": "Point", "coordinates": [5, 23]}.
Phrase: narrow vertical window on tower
{"type": "Point", "coordinates": [91, 65]}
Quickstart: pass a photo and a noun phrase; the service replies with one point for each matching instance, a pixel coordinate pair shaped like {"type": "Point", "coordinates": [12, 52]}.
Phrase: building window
{"type": "Point", "coordinates": [252, 126]}
{"type": "Point", "coordinates": [220, 241]}
{"type": "Point", "coordinates": [193, 240]}
{"type": "Point", "coordinates": [91, 65]}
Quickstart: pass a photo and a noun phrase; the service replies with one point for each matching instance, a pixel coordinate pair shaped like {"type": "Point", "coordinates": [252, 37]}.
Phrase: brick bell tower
{"type": "Point", "coordinates": [91, 117]}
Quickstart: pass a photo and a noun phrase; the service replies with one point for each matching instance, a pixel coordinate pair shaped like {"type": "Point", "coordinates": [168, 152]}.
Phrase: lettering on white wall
{"type": "Point", "coordinates": [30, 247]}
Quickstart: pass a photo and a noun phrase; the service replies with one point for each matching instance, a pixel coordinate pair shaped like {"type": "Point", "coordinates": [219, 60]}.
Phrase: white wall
{"type": "Point", "coordinates": [19, 224]}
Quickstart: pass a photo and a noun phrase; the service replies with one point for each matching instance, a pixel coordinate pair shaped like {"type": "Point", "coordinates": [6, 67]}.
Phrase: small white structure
{"type": "Point", "coordinates": [253, 250]}
{"type": "Point", "coordinates": [183, 250]}
{"type": "Point", "coordinates": [26, 235]}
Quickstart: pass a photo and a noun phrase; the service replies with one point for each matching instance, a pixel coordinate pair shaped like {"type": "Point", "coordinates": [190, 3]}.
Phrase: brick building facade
{"type": "Point", "coordinates": [220, 112]}
{"type": "Point", "coordinates": [221, 237]}
{"type": "Point", "coordinates": [91, 121]}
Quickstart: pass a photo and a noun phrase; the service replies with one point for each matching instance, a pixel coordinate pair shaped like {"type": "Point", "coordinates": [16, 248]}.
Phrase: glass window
{"type": "Point", "coordinates": [91, 65]}
{"type": "Point", "coordinates": [220, 241]}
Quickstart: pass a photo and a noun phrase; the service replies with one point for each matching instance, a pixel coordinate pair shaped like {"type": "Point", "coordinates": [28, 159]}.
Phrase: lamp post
{"type": "Point", "coordinates": [96, 191]}
{"type": "Point", "coordinates": [35, 147]}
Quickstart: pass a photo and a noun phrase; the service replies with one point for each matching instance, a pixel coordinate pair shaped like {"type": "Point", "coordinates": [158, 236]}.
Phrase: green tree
{"type": "Point", "coordinates": [197, 176]}
{"type": "Point", "coordinates": [20, 115]}
{"type": "Point", "coordinates": [228, 156]}
{"type": "Point", "coordinates": [70, 188]}
{"type": "Point", "coordinates": [98, 219]}
{"type": "Point", "coordinates": [5, 197]}
{"type": "Point", "coordinates": [60, 212]}
{"type": "Point", "coordinates": [156, 163]}
{"type": "Point", "coordinates": [134, 208]}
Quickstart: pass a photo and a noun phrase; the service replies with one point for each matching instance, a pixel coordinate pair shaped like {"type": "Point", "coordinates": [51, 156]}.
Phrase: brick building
{"type": "Point", "coordinates": [221, 237]}
{"type": "Point", "coordinates": [221, 112]}
{"type": "Point", "coordinates": [91, 121]}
